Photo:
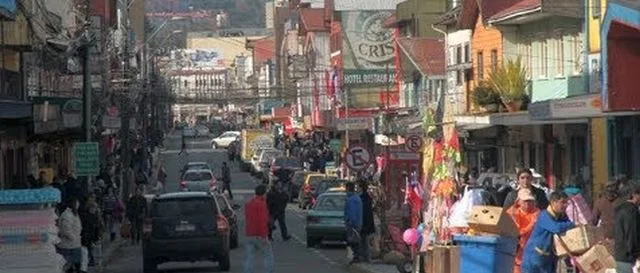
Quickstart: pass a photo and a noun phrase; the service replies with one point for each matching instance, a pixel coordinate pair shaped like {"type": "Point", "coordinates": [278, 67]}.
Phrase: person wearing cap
{"type": "Point", "coordinates": [524, 213]}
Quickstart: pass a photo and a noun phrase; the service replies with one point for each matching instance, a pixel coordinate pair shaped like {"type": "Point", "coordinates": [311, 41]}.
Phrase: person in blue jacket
{"type": "Point", "coordinates": [353, 218]}
{"type": "Point", "coordinates": [539, 255]}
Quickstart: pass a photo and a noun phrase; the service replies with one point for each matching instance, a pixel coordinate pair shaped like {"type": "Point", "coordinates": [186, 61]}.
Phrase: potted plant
{"type": "Point", "coordinates": [486, 97]}
{"type": "Point", "coordinates": [509, 80]}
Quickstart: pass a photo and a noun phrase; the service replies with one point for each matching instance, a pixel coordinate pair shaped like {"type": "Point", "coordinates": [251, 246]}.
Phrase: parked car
{"type": "Point", "coordinates": [325, 221]}
{"type": "Point", "coordinates": [194, 166]}
{"type": "Point", "coordinates": [224, 140]}
{"type": "Point", "coordinates": [198, 180]}
{"type": "Point", "coordinates": [185, 227]}
{"type": "Point", "coordinates": [229, 211]}
{"type": "Point", "coordinates": [263, 159]}
{"type": "Point", "coordinates": [281, 167]}
{"type": "Point", "coordinates": [308, 192]}
{"type": "Point", "coordinates": [202, 130]}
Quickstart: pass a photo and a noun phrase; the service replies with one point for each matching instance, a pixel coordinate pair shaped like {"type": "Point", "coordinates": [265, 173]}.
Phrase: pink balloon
{"type": "Point", "coordinates": [410, 236]}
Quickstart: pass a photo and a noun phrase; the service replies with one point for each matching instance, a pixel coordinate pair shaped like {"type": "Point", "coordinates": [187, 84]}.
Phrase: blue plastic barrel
{"type": "Point", "coordinates": [486, 254]}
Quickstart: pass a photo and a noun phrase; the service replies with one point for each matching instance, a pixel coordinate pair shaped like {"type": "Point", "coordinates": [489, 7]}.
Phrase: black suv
{"type": "Point", "coordinates": [186, 227]}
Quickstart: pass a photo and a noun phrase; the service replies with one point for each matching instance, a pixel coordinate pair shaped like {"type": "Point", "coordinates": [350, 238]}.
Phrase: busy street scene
{"type": "Point", "coordinates": [319, 136]}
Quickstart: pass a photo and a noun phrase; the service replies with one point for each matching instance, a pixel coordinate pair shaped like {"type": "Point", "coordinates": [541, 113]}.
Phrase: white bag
{"type": "Point", "coordinates": [462, 208]}
{"type": "Point", "coordinates": [84, 265]}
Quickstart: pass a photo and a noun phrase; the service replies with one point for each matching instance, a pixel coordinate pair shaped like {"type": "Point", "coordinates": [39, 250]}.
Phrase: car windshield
{"type": "Point", "coordinates": [226, 135]}
{"type": "Point", "coordinates": [198, 176]}
{"type": "Point", "coordinates": [333, 202]}
{"type": "Point", "coordinates": [269, 155]}
{"type": "Point", "coordinates": [181, 207]}
{"type": "Point", "coordinates": [197, 167]}
{"type": "Point", "coordinates": [287, 162]}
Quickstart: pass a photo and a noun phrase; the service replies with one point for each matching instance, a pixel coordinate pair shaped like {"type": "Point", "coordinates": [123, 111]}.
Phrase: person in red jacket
{"type": "Point", "coordinates": [256, 215]}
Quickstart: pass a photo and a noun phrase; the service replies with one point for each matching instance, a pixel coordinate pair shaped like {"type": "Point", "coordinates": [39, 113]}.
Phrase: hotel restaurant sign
{"type": "Point", "coordinates": [569, 108]}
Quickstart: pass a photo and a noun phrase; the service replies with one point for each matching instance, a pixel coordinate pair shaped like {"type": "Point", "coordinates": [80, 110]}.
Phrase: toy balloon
{"type": "Point", "coordinates": [410, 236]}
{"type": "Point", "coordinates": [420, 228]}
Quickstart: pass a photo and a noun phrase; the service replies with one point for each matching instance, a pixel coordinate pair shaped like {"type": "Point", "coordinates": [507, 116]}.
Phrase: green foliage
{"type": "Point", "coordinates": [509, 80]}
{"type": "Point", "coordinates": [484, 95]}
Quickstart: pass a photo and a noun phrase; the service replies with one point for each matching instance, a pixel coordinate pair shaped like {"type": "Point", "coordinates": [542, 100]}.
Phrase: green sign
{"type": "Point", "coordinates": [335, 145]}
{"type": "Point", "coordinates": [86, 156]}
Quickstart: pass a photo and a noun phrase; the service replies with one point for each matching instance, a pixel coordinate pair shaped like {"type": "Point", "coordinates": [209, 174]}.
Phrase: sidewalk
{"type": "Point", "coordinates": [111, 248]}
{"type": "Point", "coordinates": [371, 268]}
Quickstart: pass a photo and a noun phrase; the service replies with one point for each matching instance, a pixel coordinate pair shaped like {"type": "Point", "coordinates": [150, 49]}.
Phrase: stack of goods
{"type": "Point", "coordinates": [28, 232]}
{"type": "Point", "coordinates": [493, 236]}
{"type": "Point", "coordinates": [579, 243]}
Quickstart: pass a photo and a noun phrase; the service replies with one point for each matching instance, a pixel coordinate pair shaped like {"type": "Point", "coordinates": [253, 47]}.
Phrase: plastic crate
{"type": "Point", "coordinates": [486, 254]}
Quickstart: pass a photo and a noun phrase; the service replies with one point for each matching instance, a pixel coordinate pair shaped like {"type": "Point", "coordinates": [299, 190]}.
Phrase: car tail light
{"type": "Point", "coordinates": [313, 219]}
{"type": "Point", "coordinates": [222, 223]}
{"type": "Point", "coordinates": [183, 184]}
{"type": "Point", "coordinates": [147, 228]}
{"type": "Point", "coordinates": [307, 188]}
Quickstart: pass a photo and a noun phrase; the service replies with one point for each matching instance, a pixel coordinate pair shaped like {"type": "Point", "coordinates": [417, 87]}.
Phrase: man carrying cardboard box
{"type": "Point", "coordinates": [538, 256]}
{"type": "Point", "coordinates": [627, 230]}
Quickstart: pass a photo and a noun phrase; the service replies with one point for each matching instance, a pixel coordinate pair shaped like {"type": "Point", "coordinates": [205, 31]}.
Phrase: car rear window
{"type": "Point", "coordinates": [330, 203]}
{"type": "Point", "coordinates": [197, 176]}
{"type": "Point", "coordinates": [298, 178]}
{"type": "Point", "coordinates": [287, 162]}
{"type": "Point", "coordinates": [182, 207]}
{"type": "Point", "coordinates": [197, 167]}
{"type": "Point", "coordinates": [315, 179]}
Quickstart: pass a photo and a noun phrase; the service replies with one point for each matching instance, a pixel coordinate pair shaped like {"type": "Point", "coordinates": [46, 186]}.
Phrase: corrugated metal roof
{"type": "Point", "coordinates": [360, 5]}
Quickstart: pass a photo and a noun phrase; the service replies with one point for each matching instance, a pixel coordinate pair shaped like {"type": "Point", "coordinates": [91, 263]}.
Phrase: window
{"type": "Point", "coordinates": [529, 58]}
{"type": "Point", "coordinates": [494, 60]}
{"type": "Point", "coordinates": [480, 66]}
{"type": "Point", "coordinates": [452, 55]}
{"type": "Point", "coordinates": [544, 58]}
{"type": "Point", "coordinates": [467, 53]}
{"type": "Point", "coordinates": [576, 54]}
{"type": "Point", "coordinates": [459, 54]}
{"type": "Point", "coordinates": [596, 8]}
{"type": "Point", "coordinates": [559, 56]}
{"type": "Point", "coordinates": [459, 77]}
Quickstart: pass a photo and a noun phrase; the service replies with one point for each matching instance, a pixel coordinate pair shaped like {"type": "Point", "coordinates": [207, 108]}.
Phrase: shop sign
{"type": "Point", "coordinates": [111, 119]}
{"type": "Point", "coordinates": [86, 158]}
{"type": "Point", "coordinates": [575, 107]}
{"type": "Point", "coordinates": [356, 123]}
{"type": "Point", "coordinates": [371, 77]}
{"type": "Point", "coordinates": [72, 114]}
{"type": "Point", "coordinates": [46, 118]}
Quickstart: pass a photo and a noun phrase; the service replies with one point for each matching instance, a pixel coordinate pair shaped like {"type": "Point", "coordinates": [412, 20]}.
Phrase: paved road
{"type": "Point", "coordinates": [290, 257]}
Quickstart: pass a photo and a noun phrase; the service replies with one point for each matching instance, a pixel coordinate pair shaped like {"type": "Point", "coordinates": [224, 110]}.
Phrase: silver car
{"type": "Point", "coordinates": [198, 180]}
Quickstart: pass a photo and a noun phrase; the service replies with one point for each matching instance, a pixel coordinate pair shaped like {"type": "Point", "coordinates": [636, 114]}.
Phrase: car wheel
{"type": "Point", "coordinates": [149, 266]}
{"type": "Point", "coordinates": [214, 145]}
{"type": "Point", "coordinates": [405, 266]}
{"type": "Point", "coordinates": [234, 240]}
{"type": "Point", "coordinates": [225, 262]}
{"type": "Point", "coordinates": [312, 242]}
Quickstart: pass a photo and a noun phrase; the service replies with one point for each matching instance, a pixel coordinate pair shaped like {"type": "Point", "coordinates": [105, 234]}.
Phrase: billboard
{"type": "Point", "coordinates": [196, 58]}
{"type": "Point", "coordinates": [368, 53]}
{"type": "Point", "coordinates": [8, 9]}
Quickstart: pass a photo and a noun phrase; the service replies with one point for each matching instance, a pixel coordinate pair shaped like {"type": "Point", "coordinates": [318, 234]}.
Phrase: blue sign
{"type": "Point", "coordinates": [8, 9]}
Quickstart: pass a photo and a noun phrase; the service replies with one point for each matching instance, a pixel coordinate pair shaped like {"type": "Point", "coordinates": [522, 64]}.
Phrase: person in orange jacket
{"type": "Point", "coordinates": [524, 213]}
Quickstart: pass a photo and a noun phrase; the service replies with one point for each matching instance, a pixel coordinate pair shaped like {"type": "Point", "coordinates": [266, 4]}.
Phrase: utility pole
{"type": "Point", "coordinates": [86, 78]}
{"type": "Point", "coordinates": [125, 106]}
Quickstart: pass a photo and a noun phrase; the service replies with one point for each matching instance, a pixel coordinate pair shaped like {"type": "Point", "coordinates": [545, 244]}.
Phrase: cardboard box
{"type": "Point", "coordinates": [596, 260]}
{"type": "Point", "coordinates": [441, 259]}
{"type": "Point", "coordinates": [492, 220]}
{"type": "Point", "coordinates": [578, 240]}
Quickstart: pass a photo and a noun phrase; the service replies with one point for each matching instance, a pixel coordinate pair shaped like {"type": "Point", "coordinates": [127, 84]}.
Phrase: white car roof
{"type": "Point", "coordinates": [199, 171]}
{"type": "Point", "coordinates": [196, 163]}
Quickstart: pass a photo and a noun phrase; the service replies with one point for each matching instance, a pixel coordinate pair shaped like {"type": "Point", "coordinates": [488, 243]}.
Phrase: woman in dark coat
{"type": "Point", "coordinates": [368, 224]}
